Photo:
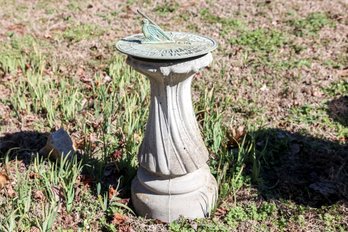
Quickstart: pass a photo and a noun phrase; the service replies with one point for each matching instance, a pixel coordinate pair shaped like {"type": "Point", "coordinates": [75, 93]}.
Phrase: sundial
{"type": "Point", "coordinates": [155, 43]}
{"type": "Point", "coordinates": [173, 178]}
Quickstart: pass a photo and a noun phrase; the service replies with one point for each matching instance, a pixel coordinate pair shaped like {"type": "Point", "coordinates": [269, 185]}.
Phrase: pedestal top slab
{"type": "Point", "coordinates": [183, 45]}
{"type": "Point", "coordinates": [165, 68]}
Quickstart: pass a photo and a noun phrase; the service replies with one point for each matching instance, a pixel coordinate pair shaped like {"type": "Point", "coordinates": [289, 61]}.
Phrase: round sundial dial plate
{"type": "Point", "coordinates": [185, 45]}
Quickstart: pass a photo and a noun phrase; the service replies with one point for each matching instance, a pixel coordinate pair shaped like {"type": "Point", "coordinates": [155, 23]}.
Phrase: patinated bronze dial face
{"type": "Point", "coordinates": [157, 44]}
{"type": "Point", "coordinates": [185, 45]}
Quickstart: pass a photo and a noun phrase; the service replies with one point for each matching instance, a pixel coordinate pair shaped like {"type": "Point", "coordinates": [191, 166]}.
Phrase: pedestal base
{"type": "Point", "coordinates": [166, 198]}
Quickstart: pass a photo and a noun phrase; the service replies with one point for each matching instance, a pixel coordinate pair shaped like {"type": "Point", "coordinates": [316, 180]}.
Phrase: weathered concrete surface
{"type": "Point", "coordinates": [173, 178]}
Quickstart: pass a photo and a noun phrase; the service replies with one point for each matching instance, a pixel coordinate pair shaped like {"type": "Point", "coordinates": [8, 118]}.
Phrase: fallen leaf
{"type": "Point", "coordinates": [220, 212]}
{"type": "Point", "coordinates": [18, 28]}
{"type": "Point", "coordinates": [34, 229]}
{"type": "Point", "coordinates": [342, 139]}
{"type": "Point", "coordinates": [125, 228]}
{"type": "Point", "coordinates": [235, 135]}
{"type": "Point", "coordinates": [123, 201]}
{"type": "Point", "coordinates": [137, 138]}
{"type": "Point", "coordinates": [67, 219]}
{"type": "Point", "coordinates": [34, 175]}
{"type": "Point", "coordinates": [10, 191]}
{"type": "Point", "coordinates": [118, 219]}
{"type": "Point", "coordinates": [117, 155]}
{"type": "Point", "coordinates": [3, 180]}
{"type": "Point", "coordinates": [112, 192]}
{"type": "Point", "coordinates": [86, 180]}
{"type": "Point", "coordinates": [107, 79]}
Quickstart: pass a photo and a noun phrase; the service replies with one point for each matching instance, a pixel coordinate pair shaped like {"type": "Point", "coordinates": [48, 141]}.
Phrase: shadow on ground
{"type": "Point", "coordinates": [338, 110]}
{"type": "Point", "coordinates": [25, 146]}
{"type": "Point", "coordinates": [22, 145]}
{"type": "Point", "coordinates": [304, 169]}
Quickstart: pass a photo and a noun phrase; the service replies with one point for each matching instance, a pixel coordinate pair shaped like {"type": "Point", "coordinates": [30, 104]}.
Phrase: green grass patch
{"type": "Point", "coordinates": [290, 64]}
{"type": "Point", "coordinates": [260, 40]}
{"type": "Point", "coordinates": [311, 24]}
{"type": "Point", "coordinates": [337, 63]}
{"type": "Point", "coordinates": [82, 32]}
{"type": "Point", "coordinates": [21, 52]}
{"type": "Point", "coordinates": [167, 7]}
{"type": "Point", "coordinates": [338, 88]}
{"type": "Point", "coordinates": [251, 212]}
{"type": "Point", "coordinates": [308, 116]}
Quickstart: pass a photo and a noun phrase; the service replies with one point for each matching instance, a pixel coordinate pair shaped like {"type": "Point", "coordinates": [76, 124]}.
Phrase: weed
{"type": "Point", "coordinates": [332, 222]}
{"type": "Point", "coordinates": [236, 215]}
{"type": "Point", "coordinates": [251, 212]}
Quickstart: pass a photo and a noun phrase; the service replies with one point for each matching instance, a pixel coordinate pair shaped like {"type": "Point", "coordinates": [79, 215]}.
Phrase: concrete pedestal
{"type": "Point", "coordinates": [173, 178]}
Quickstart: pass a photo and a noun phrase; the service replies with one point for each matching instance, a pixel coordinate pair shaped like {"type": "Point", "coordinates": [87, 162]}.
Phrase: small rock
{"type": "Point", "coordinates": [59, 143]}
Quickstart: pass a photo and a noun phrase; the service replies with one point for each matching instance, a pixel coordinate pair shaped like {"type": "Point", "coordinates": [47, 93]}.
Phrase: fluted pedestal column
{"type": "Point", "coordinates": [173, 178]}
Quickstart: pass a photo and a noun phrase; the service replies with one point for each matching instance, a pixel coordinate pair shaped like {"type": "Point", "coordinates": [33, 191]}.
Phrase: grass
{"type": "Point", "coordinates": [311, 24]}
{"type": "Point", "coordinates": [338, 88]}
{"type": "Point", "coordinates": [166, 8]}
{"type": "Point", "coordinates": [20, 52]}
{"type": "Point", "coordinates": [77, 33]}
{"type": "Point", "coordinates": [277, 151]}
{"type": "Point", "coordinates": [261, 40]}
{"type": "Point", "coordinates": [308, 116]}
